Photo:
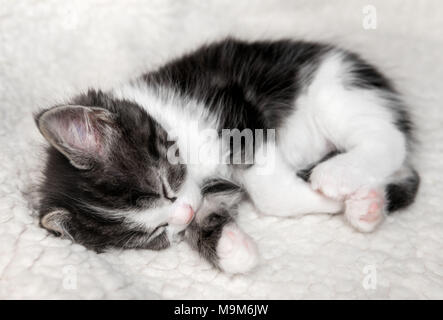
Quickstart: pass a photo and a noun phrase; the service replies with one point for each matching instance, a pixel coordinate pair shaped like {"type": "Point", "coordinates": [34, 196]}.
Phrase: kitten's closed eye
{"type": "Point", "coordinates": [157, 231]}
{"type": "Point", "coordinates": [167, 194]}
{"type": "Point", "coordinates": [144, 199]}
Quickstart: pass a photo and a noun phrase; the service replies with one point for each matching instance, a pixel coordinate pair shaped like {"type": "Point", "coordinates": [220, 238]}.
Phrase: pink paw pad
{"type": "Point", "coordinates": [374, 207]}
{"type": "Point", "coordinates": [236, 250]}
{"type": "Point", "coordinates": [372, 194]}
{"type": "Point", "coordinates": [365, 211]}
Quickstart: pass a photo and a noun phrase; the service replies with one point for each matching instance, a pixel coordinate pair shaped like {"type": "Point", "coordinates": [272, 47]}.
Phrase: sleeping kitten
{"type": "Point", "coordinates": [151, 163]}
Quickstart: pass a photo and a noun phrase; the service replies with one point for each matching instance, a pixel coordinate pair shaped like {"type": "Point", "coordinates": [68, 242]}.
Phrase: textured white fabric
{"type": "Point", "coordinates": [50, 49]}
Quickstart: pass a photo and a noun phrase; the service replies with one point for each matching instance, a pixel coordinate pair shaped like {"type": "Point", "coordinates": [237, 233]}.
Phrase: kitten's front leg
{"type": "Point", "coordinates": [221, 242]}
{"type": "Point", "coordinates": [216, 236]}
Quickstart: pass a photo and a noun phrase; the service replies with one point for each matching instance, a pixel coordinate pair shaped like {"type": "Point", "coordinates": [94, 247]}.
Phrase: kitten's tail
{"type": "Point", "coordinates": [401, 191]}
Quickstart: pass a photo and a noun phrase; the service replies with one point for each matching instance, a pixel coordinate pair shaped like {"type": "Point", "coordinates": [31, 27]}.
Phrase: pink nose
{"type": "Point", "coordinates": [183, 214]}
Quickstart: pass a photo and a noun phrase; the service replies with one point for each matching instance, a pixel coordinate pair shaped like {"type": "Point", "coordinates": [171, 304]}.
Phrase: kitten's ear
{"type": "Point", "coordinates": [55, 221]}
{"type": "Point", "coordinates": [83, 134]}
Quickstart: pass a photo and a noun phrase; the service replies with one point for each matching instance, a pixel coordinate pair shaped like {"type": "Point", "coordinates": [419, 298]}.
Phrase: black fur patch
{"type": "Point", "coordinates": [401, 194]}
{"type": "Point", "coordinates": [246, 84]}
{"type": "Point", "coordinates": [305, 174]}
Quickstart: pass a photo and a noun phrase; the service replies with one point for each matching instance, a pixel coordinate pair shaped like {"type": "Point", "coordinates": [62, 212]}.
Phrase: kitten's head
{"type": "Point", "coordinates": [108, 182]}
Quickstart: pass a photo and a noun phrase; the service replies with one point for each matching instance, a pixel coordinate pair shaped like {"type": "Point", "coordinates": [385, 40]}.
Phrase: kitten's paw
{"type": "Point", "coordinates": [237, 252]}
{"type": "Point", "coordinates": [365, 210]}
{"type": "Point", "coordinates": [336, 180]}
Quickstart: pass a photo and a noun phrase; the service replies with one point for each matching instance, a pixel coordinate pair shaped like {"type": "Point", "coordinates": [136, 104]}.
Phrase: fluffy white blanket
{"type": "Point", "coordinates": [50, 49]}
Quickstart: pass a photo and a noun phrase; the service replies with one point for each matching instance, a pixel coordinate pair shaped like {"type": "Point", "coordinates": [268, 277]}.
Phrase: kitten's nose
{"type": "Point", "coordinates": [182, 215]}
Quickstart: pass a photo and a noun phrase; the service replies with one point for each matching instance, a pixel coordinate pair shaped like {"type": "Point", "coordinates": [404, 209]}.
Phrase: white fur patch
{"type": "Point", "coordinates": [186, 121]}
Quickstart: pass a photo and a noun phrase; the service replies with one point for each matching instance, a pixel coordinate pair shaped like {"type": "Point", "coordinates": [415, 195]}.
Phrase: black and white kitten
{"type": "Point", "coordinates": [148, 164]}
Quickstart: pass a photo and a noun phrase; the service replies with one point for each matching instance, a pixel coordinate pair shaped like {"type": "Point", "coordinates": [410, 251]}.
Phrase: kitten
{"type": "Point", "coordinates": [149, 164]}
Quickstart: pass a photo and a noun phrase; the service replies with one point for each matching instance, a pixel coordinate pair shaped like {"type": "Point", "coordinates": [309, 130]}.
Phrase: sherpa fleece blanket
{"type": "Point", "coordinates": [51, 49]}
